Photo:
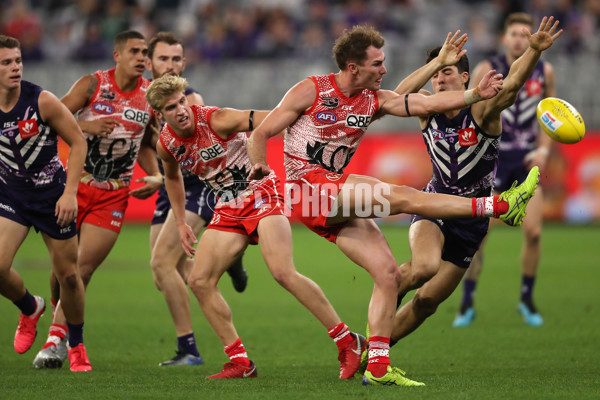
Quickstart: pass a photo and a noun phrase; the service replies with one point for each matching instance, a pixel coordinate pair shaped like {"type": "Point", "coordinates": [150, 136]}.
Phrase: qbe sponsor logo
{"type": "Point", "coordinates": [212, 152]}
{"type": "Point", "coordinates": [137, 116]}
{"type": "Point", "coordinates": [358, 121]}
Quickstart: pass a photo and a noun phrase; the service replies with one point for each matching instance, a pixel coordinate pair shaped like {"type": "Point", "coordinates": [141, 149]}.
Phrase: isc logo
{"type": "Point", "coordinates": [358, 121]}
{"type": "Point", "coordinates": [550, 121]}
{"type": "Point", "coordinates": [209, 153]}
{"type": "Point", "coordinates": [133, 115]}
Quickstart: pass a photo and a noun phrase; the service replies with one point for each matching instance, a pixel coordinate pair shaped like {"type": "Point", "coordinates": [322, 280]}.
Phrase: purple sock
{"type": "Point", "coordinates": [527, 287]}
{"type": "Point", "coordinates": [468, 291]}
{"type": "Point", "coordinates": [26, 303]}
{"type": "Point", "coordinates": [75, 334]}
{"type": "Point", "coordinates": [187, 343]}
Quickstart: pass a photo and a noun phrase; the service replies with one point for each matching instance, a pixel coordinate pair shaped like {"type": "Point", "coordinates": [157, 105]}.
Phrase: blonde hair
{"type": "Point", "coordinates": [162, 88]}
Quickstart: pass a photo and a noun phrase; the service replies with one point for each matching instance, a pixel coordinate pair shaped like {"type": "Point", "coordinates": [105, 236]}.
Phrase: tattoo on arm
{"type": "Point", "coordinates": [92, 87]}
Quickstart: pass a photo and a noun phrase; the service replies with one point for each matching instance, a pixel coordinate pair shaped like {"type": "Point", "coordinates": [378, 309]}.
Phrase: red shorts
{"type": "Point", "coordinates": [311, 198]}
{"type": "Point", "coordinates": [244, 215]}
{"type": "Point", "coordinates": [103, 208]}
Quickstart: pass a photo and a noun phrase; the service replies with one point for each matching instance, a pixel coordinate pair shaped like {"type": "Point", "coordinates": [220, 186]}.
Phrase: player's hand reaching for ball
{"type": "Point", "coordinates": [546, 35]}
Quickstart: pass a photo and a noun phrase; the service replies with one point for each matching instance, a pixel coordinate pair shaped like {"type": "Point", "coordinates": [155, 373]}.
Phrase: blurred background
{"type": "Point", "coordinates": [248, 54]}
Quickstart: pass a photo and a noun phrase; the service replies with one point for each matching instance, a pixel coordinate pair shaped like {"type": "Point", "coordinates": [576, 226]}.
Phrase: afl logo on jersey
{"type": "Point", "coordinates": [117, 214]}
{"type": "Point", "coordinates": [187, 163]}
{"type": "Point", "coordinates": [437, 135]}
{"type": "Point", "coordinates": [326, 117]}
{"type": "Point", "coordinates": [103, 108]}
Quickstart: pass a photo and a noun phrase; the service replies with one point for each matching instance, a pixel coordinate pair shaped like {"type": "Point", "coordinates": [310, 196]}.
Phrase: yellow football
{"type": "Point", "coordinates": [560, 120]}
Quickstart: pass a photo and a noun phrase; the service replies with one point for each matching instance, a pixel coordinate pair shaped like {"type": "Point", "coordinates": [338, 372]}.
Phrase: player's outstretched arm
{"type": "Point", "coordinates": [176, 193]}
{"type": "Point", "coordinates": [449, 54]}
{"type": "Point", "coordinates": [521, 69]}
{"type": "Point", "coordinates": [62, 121]}
{"type": "Point", "coordinates": [419, 105]}
{"type": "Point", "coordinates": [298, 99]}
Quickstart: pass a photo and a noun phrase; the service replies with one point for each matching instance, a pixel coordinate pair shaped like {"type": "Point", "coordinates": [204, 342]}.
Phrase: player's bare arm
{"type": "Point", "coordinates": [61, 120]}
{"type": "Point", "coordinates": [78, 97]}
{"type": "Point", "coordinates": [298, 99]}
{"type": "Point", "coordinates": [519, 72]}
{"type": "Point", "coordinates": [147, 161]}
{"type": "Point", "coordinates": [176, 192]}
{"type": "Point", "coordinates": [419, 105]}
{"type": "Point", "coordinates": [450, 53]}
{"type": "Point", "coordinates": [227, 121]}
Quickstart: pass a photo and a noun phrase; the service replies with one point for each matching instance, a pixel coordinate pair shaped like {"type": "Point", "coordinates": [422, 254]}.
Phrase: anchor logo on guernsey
{"type": "Point", "coordinates": [28, 128]}
{"type": "Point", "coordinates": [467, 137]}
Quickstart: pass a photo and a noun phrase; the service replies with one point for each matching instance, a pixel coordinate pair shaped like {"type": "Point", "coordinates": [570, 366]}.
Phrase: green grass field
{"type": "Point", "coordinates": [128, 330]}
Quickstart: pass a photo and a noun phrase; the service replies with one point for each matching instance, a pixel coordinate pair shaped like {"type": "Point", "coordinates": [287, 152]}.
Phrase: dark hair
{"type": "Point", "coordinates": [124, 36]}
{"type": "Point", "coordinates": [462, 65]}
{"type": "Point", "coordinates": [352, 45]}
{"type": "Point", "coordinates": [518, 18]}
{"type": "Point", "coordinates": [9, 42]}
{"type": "Point", "coordinates": [167, 37]}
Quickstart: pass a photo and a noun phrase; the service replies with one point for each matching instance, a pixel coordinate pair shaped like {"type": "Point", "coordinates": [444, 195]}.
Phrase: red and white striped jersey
{"type": "Point", "coordinates": [222, 163]}
{"type": "Point", "coordinates": [329, 132]}
{"type": "Point", "coordinates": [110, 161]}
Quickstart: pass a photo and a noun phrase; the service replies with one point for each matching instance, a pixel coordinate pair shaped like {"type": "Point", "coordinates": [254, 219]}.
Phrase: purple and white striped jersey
{"type": "Point", "coordinates": [463, 157]}
{"type": "Point", "coordinates": [519, 123]}
{"type": "Point", "coordinates": [28, 146]}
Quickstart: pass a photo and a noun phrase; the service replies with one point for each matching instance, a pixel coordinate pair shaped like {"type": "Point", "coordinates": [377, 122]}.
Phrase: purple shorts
{"type": "Point", "coordinates": [199, 199]}
{"type": "Point", "coordinates": [35, 206]}
{"type": "Point", "coordinates": [511, 167]}
{"type": "Point", "coordinates": [462, 237]}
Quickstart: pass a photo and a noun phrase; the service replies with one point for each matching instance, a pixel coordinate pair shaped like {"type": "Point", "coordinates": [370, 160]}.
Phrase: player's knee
{"type": "Point", "coordinates": [199, 284]}
{"type": "Point", "coordinates": [284, 278]}
{"type": "Point", "coordinates": [69, 281]}
{"type": "Point", "coordinates": [86, 271]}
{"type": "Point", "coordinates": [388, 275]}
{"type": "Point", "coordinates": [424, 306]}
{"type": "Point", "coordinates": [423, 271]}
{"type": "Point", "coordinates": [533, 236]}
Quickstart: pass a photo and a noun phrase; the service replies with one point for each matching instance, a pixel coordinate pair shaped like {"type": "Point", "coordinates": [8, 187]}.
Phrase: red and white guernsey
{"type": "Point", "coordinates": [329, 132]}
{"type": "Point", "coordinates": [222, 163]}
{"type": "Point", "coordinates": [110, 161]}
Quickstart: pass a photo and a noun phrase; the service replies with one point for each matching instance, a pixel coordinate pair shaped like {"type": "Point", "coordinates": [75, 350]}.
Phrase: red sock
{"type": "Point", "coordinates": [379, 355]}
{"type": "Point", "coordinates": [55, 335]}
{"type": "Point", "coordinates": [488, 207]}
{"type": "Point", "coordinates": [237, 353]}
{"type": "Point", "coordinates": [341, 335]}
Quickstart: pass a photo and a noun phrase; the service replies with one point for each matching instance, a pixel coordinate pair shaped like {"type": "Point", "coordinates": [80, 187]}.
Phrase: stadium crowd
{"type": "Point", "coordinates": [216, 31]}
